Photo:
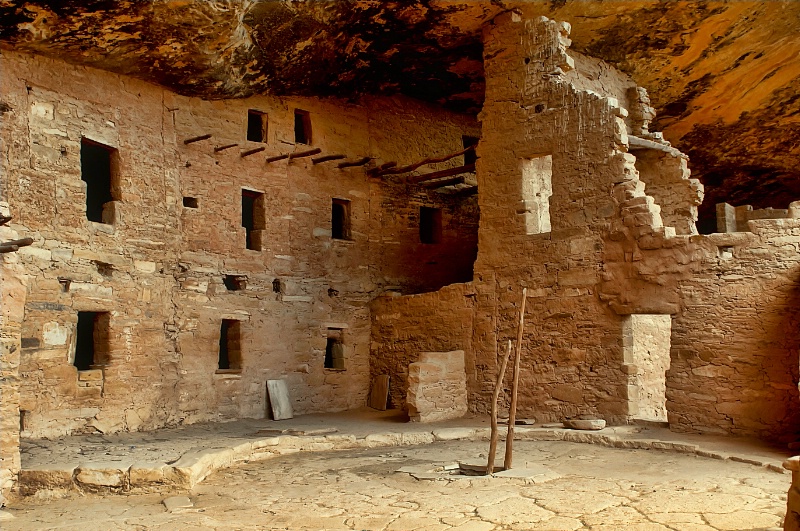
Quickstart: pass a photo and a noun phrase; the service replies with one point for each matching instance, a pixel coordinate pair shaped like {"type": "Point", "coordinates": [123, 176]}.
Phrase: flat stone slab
{"type": "Point", "coordinates": [5, 515]}
{"type": "Point", "coordinates": [453, 434]}
{"type": "Point", "coordinates": [584, 424]}
{"type": "Point", "coordinates": [518, 422]}
{"type": "Point", "coordinates": [174, 503]}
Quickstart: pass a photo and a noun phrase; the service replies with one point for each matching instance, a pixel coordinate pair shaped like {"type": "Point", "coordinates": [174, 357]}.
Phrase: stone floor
{"type": "Point", "coordinates": [340, 471]}
{"type": "Point", "coordinates": [587, 487]}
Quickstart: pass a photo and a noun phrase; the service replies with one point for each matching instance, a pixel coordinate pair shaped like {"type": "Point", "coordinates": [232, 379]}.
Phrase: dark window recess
{"type": "Point", "coordinates": [340, 219]}
{"type": "Point", "coordinates": [98, 171]}
{"type": "Point", "coordinates": [230, 346]}
{"type": "Point", "coordinates": [334, 350]}
{"type": "Point", "coordinates": [253, 218]}
{"type": "Point", "coordinates": [92, 340]}
{"type": "Point", "coordinates": [256, 126]}
{"type": "Point", "coordinates": [276, 286]}
{"type": "Point", "coordinates": [430, 225]}
{"type": "Point", "coordinates": [190, 202]}
{"type": "Point", "coordinates": [470, 157]}
{"type": "Point", "coordinates": [235, 282]}
{"type": "Point", "coordinates": [302, 127]}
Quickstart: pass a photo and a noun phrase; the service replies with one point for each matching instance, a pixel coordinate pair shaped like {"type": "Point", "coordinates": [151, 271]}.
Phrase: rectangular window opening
{"type": "Point", "coordinates": [334, 350]}
{"type": "Point", "coordinates": [256, 126]}
{"type": "Point", "coordinates": [537, 188]}
{"type": "Point", "coordinates": [430, 225]}
{"type": "Point", "coordinates": [253, 219]}
{"type": "Point", "coordinates": [92, 340]}
{"type": "Point", "coordinates": [235, 282]}
{"type": "Point", "coordinates": [191, 202]}
{"type": "Point", "coordinates": [99, 170]}
{"type": "Point", "coordinates": [340, 219]}
{"type": "Point", "coordinates": [230, 346]}
{"type": "Point", "coordinates": [470, 157]}
{"type": "Point", "coordinates": [302, 127]}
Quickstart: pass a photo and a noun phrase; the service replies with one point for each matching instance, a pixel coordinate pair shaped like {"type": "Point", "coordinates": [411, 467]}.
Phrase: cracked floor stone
{"type": "Point", "coordinates": [598, 488]}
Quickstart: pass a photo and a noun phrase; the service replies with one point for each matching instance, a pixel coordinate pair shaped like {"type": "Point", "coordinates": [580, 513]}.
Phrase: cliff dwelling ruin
{"type": "Point", "coordinates": [199, 198]}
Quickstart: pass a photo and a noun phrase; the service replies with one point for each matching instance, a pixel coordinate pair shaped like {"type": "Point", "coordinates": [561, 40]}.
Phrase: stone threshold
{"type": "Point", "coordinates": [194, 466]}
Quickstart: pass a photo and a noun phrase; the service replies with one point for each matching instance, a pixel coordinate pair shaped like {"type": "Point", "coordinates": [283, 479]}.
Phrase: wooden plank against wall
{"type": "Point", "coordinates": [279, 402]}
{"type": "Point", "coordinates": [380, 392]}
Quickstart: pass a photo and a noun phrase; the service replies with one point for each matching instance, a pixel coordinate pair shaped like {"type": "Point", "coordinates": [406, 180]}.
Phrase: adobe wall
{"type": "Point", "coordinates": [159, 268]}
{"type": "Point", "coordinates": [620, 242]}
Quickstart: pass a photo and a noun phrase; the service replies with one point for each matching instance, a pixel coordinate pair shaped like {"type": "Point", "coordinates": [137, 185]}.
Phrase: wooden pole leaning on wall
{"type": "Point", "coordinates": [301, 154]}
{"type": "Point", "coordinates": [512, 410]}
{"type": "Point", "coordinates": [196, 139]}
{"type": "Point", "coordinates": [351, 164]}
{"type": "Point", "coordinates": [495, 396]}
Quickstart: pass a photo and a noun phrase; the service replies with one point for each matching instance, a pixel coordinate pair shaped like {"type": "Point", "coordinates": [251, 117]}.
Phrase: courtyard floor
{"type": "Point", "coordinates": [633, 477]}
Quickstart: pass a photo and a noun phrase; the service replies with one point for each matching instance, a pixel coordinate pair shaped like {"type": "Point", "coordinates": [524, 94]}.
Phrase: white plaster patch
{"type": "Point", "coordinates": [42, 110]}
{"type": "Point", "coordinates": [54, 334]}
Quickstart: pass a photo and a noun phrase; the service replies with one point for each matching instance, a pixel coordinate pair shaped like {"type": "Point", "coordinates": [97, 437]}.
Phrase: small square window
{"type": "Point", "coordinates": [256, 126]}
{"type": "Point", "coordinates": [430, 225]}
{"type": "Point", "coordinates": [340, 219]}
{"type": "Point", "coordinates": [302, 127]}
{"type": "Point", "coordinates": [190, 202]}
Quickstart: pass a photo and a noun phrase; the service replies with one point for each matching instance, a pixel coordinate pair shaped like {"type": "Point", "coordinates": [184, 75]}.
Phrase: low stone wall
{"type": "Point", "coordinates": [437, 387]}
{"type": "Point", "coordinates": [402, 327]}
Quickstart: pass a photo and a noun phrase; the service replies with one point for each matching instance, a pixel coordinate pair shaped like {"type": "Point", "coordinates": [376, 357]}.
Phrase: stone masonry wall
{"type": "Point", "coordinates": [159, 268]}
{"type": "Point", "coordinates": [607, 256]}
{"type": "Point", "coordinates": [735, 344]}
{"type": "Point", "coordinates": [12, 304]}
{"type": "Point", "coordinates": [404, 327]}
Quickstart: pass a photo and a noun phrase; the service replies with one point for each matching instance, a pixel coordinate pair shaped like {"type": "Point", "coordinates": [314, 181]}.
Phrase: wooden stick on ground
{"type": "Point", "coordinates": [512, 410]}
{"type": "Point", "coordinates": [495, 396]}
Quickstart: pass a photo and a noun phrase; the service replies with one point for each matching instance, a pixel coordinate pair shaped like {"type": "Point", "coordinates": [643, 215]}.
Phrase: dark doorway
{"type": "Point", "coordinates": [340, 219]}
{"type": "Point", "coordinates": [97, 171]}
{"type": "Point", "coordinates": [92, 338]}
{"type": "Point", "coordinates": [430, 225]}
{"type": "Point", "coordinates": [302, 127]}
{"type": "Point", "coordinates": [253, 218]}
{"type": "Point", "coordinates": [230, 351]}
{"type": "Point", "coordinates": [470, 157]}
{"type": "Point", "coordinates": [256, 126]}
